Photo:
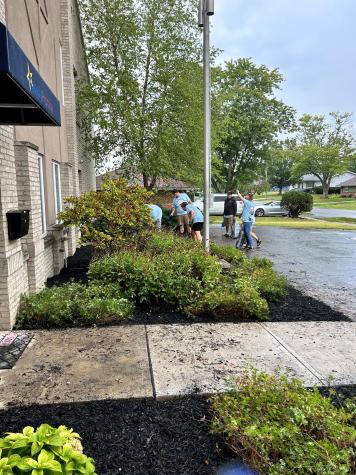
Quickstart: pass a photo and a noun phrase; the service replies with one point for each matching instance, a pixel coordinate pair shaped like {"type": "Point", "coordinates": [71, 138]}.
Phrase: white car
{"type": "Point", "coordinates": [217, 204]}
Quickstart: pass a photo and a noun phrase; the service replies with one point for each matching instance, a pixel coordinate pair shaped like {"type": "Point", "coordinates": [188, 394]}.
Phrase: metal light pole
{"type": "Point", "coordinates": [206, 9]}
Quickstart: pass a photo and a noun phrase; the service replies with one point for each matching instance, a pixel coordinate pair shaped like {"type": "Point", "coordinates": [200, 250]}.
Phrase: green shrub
{"type": "Point", "coordinates": [110, 218]}
{"type": "Point", "coordinates": [259, 275]}
{"type": "Point", "coordinates": [241, 302]}
{"type": "Point", "coordinates": [160, 243]}
{"type": "Point", "coordinates": [256, 273]}
{"type": "Point", "coordinates": [297, 202]}
{"type": "Point", "coordinates": [228, 253]}
{"type": "Point", "coordinates": [171, 277]}
{"type": "Point", "coordinates": [45, 451]}
{"type": "Point", "coordinates": [168, 221]}
{"type": "Point", "coordinates": [279, 427]}
{"type": "Point", "coordinates": [73, 304]}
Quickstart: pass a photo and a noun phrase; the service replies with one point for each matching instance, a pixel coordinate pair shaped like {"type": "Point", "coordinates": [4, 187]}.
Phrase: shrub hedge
{"type": "Point", "coordinates": [170, 271]}
{"type": "Point", "coordinates": [279, 427]}
{"type": "Point", "coordinates": [73, 304]}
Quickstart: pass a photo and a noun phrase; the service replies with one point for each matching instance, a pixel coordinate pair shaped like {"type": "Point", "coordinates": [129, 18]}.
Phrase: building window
{"type": "Point", "coordinates": [57, 189]}
{"type": "Point", "coordinates": [61, 66]}
{"type": "Point", "coordinates": [42, 193]}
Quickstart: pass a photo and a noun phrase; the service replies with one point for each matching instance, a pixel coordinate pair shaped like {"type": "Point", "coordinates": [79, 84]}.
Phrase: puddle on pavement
{"type": "Point", "coordinates": [236, 469]}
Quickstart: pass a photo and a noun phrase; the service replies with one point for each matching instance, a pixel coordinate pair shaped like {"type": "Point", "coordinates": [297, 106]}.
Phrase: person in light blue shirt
{"type": "Point", "coordinates": [177, 209]}
{"type": "Point", "coordinates": [247, 217]}
{"type": "Point", "coordinates": [156, 216]}
{"type": "Point", "coordinates": [196, 218]}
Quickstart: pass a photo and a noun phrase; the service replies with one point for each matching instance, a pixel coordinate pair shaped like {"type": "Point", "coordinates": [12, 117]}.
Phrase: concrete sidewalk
{"type": "Point", "coordinates": [169, 360]}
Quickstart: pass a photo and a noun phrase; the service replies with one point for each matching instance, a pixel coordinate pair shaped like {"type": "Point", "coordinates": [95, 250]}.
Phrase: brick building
{"type": "Point", "coordinates": [43, 162]}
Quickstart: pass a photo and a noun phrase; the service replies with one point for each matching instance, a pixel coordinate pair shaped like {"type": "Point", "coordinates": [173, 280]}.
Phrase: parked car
{"type": "Point", "coordinates": [271, 208]}
{"type": "Point", "coordinates": [217, 204]}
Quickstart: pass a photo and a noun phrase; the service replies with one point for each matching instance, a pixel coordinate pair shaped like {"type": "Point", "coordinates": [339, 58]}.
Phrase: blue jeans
{"type": "Point", "coordinates": [247, 229]}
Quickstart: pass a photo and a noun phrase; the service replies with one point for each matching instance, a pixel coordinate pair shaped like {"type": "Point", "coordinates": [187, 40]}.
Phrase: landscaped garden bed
{"type": "Point", "coordinates": [132, 274]}
{"type": "Point", "coordinates": [140, 436]}
{"type": "Point", "coordinates": [292, 306]}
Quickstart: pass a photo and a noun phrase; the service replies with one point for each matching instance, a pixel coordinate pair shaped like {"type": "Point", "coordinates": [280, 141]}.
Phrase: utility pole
{"type": "Point", "coordinates": [205, 11]}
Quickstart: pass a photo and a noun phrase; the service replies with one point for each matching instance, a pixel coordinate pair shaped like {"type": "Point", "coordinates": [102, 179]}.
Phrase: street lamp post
{"type": "Point", "coordinates": [206, 9]}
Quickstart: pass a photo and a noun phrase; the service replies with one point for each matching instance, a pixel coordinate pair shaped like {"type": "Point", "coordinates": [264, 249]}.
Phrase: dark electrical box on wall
{"type": "Point", "coordinates": [18, 223]}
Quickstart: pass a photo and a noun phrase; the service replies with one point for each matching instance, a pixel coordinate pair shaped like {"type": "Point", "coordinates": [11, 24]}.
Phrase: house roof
{"type": "Point", "coordinates": [351, 182]}
{"type": "Point", "coordinates": [310, 177]}
{"type": "Point", "coordinates": [167, 184]}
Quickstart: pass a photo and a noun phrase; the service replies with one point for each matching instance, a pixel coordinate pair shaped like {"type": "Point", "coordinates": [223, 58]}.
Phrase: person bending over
{"type": "Point", "coordinates": [196, 219]}
{"type": "Point", "coordinates": [182, 216]}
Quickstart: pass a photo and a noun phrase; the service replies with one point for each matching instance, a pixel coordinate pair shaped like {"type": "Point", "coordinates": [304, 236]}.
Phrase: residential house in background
{"type": "Point", "coordinates": [348, 188]}
{"type": "Point", "coordinates": [308, 182]}
{"type": "Point", "coordinates": [42, 153]}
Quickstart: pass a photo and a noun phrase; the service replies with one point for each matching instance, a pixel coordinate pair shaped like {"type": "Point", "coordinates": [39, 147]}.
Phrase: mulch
{"type": "Point", "coordinates": [140, 437]}
{"type": "Point", "coordinates": [134, 437]}
{"type": "Point", "coordinates": [293, 307]}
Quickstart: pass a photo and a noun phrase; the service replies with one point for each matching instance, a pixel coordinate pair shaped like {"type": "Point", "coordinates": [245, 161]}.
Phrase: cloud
{"type": "Point", "coordinates": [312, 42]}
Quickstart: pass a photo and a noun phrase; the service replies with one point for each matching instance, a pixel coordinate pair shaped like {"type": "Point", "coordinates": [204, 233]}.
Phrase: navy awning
{"type": "Point", "coordinates": [25, 98]}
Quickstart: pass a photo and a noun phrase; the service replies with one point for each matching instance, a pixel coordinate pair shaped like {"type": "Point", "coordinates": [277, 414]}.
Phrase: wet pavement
{"type": "Point", "coordinates": [321, 263]}
{"type": "Point", "coordinates": [321, 213]}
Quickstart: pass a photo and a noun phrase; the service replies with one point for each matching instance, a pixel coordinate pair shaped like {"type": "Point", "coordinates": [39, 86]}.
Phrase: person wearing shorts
{"type": "Point", "coordinates": [182, 215]}
{"type": "Point", "coordinates": [196, 218]}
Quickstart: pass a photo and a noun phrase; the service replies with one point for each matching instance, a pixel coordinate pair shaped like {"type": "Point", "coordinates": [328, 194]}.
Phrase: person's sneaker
{"type": "Point", "coordinates": [226, 235]}
{"type": "Point", "coordinates": [259, 242]}
{"type": "Point", "coordinates": [248, 248]}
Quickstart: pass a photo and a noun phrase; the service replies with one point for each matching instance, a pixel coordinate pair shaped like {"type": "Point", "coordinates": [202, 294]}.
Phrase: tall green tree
{"type": "Point", "coordinates": [280, 165]}
{"type": "Point", "coordinates": [325, 146]}
{"type": "Point", "coordinates": [247, 118]}
{"type": "Point", "coordinates": [144, 105]}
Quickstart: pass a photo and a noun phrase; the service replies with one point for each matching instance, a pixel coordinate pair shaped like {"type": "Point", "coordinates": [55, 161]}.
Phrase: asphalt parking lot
{"type": "Point", "coordinates": [322, 263]}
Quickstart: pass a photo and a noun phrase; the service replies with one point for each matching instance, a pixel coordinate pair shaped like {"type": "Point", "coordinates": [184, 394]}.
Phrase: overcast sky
{"type": "Point", "coordinates": [312, 42]}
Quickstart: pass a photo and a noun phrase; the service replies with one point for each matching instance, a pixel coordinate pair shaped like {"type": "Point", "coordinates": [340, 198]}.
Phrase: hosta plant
{"type": "Point", "coordinates": [45, 451]}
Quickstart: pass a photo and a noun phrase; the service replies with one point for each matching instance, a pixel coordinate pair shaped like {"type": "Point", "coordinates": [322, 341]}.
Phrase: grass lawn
{"type": "Point", "coordinates": [301, 223]}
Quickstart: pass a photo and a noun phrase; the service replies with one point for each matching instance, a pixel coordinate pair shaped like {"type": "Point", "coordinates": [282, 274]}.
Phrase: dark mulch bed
{"type": "Point", "coordinates": [294, 307]}
{"type": "Point", "coordinates": [140, 436]}
{"type": "Point", "coordinates": [134, 437]}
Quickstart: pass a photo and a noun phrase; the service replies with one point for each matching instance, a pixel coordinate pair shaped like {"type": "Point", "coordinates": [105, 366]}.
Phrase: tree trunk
{"type": "Point", "coordinates": [280, 190]}
{"type": "Point", "coordinates": [326, 187]}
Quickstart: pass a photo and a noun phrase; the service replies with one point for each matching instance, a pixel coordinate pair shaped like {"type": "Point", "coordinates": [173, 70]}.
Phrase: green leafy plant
{"type": "Point", "coordinates": [226, 301]}
{"type": "Point", "coordinates": [228, 253]}
{"type": "Point", "coordinates": [279, 427]}
{"type": "Point", "coordinates": [297, 202]}
{"type": "Point", "coordinates": [165, 274]}
{"type": "Point", "coordinates": [110, 218]}
{"type": "Point", "coordinates": [45, 451]}
{"type": "Point", "coordinates": [73, 304]}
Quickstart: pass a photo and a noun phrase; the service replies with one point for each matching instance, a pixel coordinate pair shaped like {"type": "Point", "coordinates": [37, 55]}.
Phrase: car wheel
{"type": "Point", "coordinates": [260, 212]}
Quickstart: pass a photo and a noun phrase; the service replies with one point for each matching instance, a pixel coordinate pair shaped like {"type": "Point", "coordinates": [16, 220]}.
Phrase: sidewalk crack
{"type": "Point", "coordinates": [150, 364]}
{"type": "Point", "coordinates": [295, 355]}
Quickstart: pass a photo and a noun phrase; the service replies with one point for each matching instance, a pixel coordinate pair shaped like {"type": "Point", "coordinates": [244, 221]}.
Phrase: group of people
{"type": "Point", "coordinates": [191, 219]}
{"type": "Point", "coordinates": [247, 217]}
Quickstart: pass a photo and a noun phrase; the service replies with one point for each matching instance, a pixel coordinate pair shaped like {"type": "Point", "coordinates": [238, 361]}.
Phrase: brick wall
{"type": "Point", "coordinates": [26, 263]}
